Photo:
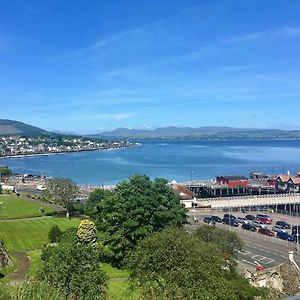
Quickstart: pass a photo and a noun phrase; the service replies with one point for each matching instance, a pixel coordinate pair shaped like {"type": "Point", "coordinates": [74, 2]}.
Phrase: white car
{"type": "Point", "coordinates": [278, 228]}
{"type": "Point", "coordinates": [41, 188]}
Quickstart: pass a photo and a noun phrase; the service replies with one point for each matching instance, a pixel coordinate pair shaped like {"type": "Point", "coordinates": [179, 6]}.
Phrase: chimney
{"type": "Point", "coordinates": [289, 173]}
{"type": "Point", "coordinates": [291, 256]}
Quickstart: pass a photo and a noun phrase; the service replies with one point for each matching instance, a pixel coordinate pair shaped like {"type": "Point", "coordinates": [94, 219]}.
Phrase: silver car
{"type": "Point", "coordinates": [278, 228]}
{"type": "Point", "coordinates": [259, 224]}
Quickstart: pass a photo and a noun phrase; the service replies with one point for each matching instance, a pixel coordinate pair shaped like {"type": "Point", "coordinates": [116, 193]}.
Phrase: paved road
{"type": "Point", "coordinates": [267, 251]}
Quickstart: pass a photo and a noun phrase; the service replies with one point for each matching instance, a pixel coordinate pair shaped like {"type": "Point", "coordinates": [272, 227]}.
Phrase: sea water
{"type": "Point", "coordinates": [179, 160]}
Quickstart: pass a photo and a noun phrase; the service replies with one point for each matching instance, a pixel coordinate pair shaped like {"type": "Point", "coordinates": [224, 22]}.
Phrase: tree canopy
{"type": "Point", "coordinates": [73, 268]}
{"type": "Point", "coordinates": [137, 208]}
{"type": "Point", "coordinates": [5, 171]}
{"type": "Point", "coordinates": [227, 241]}
{"type": "Point", "coordinates": [62, 191]}
{"type": "Point", "coordinates": [173, 264]}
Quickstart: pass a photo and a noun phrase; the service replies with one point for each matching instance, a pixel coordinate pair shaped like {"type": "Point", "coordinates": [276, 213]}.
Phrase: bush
{"type": "Point", "coordinates": [54, 234]}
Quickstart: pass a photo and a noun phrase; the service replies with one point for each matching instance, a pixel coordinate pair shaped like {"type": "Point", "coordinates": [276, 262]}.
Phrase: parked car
{"type": "Point", "coordinates": [250, 217]}
{"type": "Point", "coordinates": [41, 188]}
{"type": "Point", "coordinates": [266, 219]}
{"type": "Point", "coordinates": [266, 231]}
{"type": "Point", "coordinates": [229, 216]}
{"type": "Point", "coordinates": [248, 226]}
{"type": "Point", "coordinates": [217, 219]}
{"type": "Point", "coordinates": [278, 228]}
{"type": "Point", "coordinates": [230, 222]}
{"type": "Point", "coordinates": [283, 224]}
{"type": "Point", "coordinates": [285, 236]}
{"type": "Point", "coordinates": [209, 220]}
{"type": "Point", "coordinates": [295, 230]}
{"type": "Point", "coordinates": [242, 220]}
{"type": "Point", "coordinates": [296, 238]}
{"type": "Point", "coordinates": [258, 224]}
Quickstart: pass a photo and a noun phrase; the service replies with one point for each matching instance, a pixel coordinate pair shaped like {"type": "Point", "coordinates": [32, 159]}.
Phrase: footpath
{"type": "Point", "coordinates": [18, 277]}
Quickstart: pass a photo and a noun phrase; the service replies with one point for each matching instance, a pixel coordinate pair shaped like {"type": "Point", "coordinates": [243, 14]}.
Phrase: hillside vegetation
{"type": "Point", "coordinates": [11, 127]}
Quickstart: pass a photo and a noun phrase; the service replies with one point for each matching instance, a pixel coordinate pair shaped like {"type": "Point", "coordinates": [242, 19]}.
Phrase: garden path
{"type": "Point", "coordinates": [18, 277]}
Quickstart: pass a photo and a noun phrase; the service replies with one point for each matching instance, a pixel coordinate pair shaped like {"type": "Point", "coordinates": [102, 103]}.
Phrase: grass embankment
{"type": "Point", "coordinates": [22, 235]}
{"type": "Point", "coordinates": [14, 207]}
{"type": "Point", "coordinates": [30, 235]}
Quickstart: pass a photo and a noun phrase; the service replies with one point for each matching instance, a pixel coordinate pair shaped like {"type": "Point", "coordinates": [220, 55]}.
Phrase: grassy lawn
{"type": "Point", "coordinates": [118, 286]}
{"type": "Point", "coordinates": [14, 207]}
{"type": "Point", "coordinates": [35, 261]}
{"type": "Point", "coordinates": [21, 235]}
{"type": "Point", "coordinates": [119, 290]}
{"type": "Point", "coordinates": [114, 272]}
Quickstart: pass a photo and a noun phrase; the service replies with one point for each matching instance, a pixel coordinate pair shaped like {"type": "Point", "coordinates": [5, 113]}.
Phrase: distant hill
{"type": "Point", "coordinates": [209, 132]}
{"type": "Point", "coordinates": [10, 127]}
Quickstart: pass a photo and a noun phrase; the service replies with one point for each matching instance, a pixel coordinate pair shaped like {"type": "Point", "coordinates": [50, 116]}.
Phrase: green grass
{"type": "Point", "coordinates": [35, 261]}
{"type": "Point", "coordinates": [22, 235]}
{"type": "Point", "coordinates": [14, 207]}
{"type": "Point", "coordinates": [114, 272]}
{"type": "Point", "coordinates": [118, 286]}
{"type": "Point", "coordinates": [119, 290]}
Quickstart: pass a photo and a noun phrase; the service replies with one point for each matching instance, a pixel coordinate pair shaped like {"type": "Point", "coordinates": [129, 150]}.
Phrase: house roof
{"type": "Point", "coordinates": [295, 179]}
{"type": "Point", "coordinates": [233, 177]}
{"type": "Point", "coordinates": [183, 191]}
{"type": "Point", "coordinates": [284, 178]}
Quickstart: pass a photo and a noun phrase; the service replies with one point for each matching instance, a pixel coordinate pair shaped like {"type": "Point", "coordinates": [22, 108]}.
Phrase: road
{"type": "Point", "coordinates": [258, 249]}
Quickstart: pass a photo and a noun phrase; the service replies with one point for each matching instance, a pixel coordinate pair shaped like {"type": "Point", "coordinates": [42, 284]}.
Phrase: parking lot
{"type": "Point", "coordinates": [258, 248]}
{"type": "Point", "coordinates": [292, 220]}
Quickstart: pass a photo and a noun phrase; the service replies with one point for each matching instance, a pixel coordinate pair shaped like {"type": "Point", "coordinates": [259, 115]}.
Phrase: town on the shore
{"type": "Point", "coordinates": [11, 146]}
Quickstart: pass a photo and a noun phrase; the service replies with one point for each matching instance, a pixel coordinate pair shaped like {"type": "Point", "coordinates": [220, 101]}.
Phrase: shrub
{"type": "Point", "coordinates": [54, 234]}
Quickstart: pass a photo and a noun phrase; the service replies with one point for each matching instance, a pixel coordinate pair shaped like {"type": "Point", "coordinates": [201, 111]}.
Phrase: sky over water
{"type": "Point", "coordinates": [89, 66]}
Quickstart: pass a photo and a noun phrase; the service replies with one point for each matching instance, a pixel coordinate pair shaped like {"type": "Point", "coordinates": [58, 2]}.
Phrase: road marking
{"type": "Point", "coordinates": [257, 257]}
{"type": "Point", "coordinates": [266, 260]}
{"type": "Point", "coordinates": [248, 262]}
{"type": "Point", "coordinates": [244, 252]}
{"type": "Point", "coordinates": [262, 259]}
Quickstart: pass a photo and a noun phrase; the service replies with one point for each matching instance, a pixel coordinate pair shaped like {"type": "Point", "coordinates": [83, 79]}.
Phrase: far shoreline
{"type": "Point", "coordinates": [62, 152]}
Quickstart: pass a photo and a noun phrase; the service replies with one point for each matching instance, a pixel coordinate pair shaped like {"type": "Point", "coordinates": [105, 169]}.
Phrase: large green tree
{"type": "Point", "coordinates": [61, 191]}
{"type": "Point", "coordinates": [173, 264]}
{"type": "Point", "coordinates": [227, 241]}
{"type": "Point", "coordinates": [138, 207]}
{"type": "Point", "coordinates": [73, 268]}
{"type": "Point", "coordinates": [91, 206]}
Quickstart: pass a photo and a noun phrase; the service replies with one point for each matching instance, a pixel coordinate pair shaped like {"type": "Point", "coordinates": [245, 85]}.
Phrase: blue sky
{"type": "Point", "coordinates": [90, 66]}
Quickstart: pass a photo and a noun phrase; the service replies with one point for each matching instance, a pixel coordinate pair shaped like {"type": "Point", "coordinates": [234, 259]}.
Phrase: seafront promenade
{"type": "Point", "coordinates": [250, 201]}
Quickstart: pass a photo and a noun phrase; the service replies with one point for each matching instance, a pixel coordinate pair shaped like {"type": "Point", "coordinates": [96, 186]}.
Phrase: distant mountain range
{"type": "Point", "coordinates": [209, 132]}
{"type": "Point", "coordinates": [10, 127]}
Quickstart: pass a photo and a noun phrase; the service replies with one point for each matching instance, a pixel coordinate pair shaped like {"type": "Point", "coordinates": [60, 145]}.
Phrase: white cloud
{"type": "Point", "coordinates": [283, 32]}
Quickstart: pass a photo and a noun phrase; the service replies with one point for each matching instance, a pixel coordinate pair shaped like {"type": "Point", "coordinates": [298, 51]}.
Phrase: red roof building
{"type": "Point", "coordinates": [233, 181]}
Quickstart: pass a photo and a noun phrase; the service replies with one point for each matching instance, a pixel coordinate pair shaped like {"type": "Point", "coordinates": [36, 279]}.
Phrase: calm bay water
{"type": "Point", "coordinates": [179, 160]}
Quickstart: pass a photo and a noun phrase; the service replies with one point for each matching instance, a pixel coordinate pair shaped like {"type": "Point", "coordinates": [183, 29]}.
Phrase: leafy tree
{"type": "Point", "coordinates": [227, 241]}
{"type": "Point", "coordinates": [73, 268]}
{"type": "Point", "coordinates": [95, 197]}
{"type": "Point", "coordinates": [62, 191]}
{"type": "Point", "coordinates": [5, 171]}
{"type": "Point", "coordinates": [54, 234]}
{"type": "Point", "coordinates": [137, 208]}
{"type": "Point", "coordinates": [172, 264]}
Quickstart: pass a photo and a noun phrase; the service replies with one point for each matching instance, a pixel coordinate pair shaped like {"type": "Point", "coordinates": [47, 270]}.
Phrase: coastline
{"type": "Point", "coordinates": [63, 152]}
